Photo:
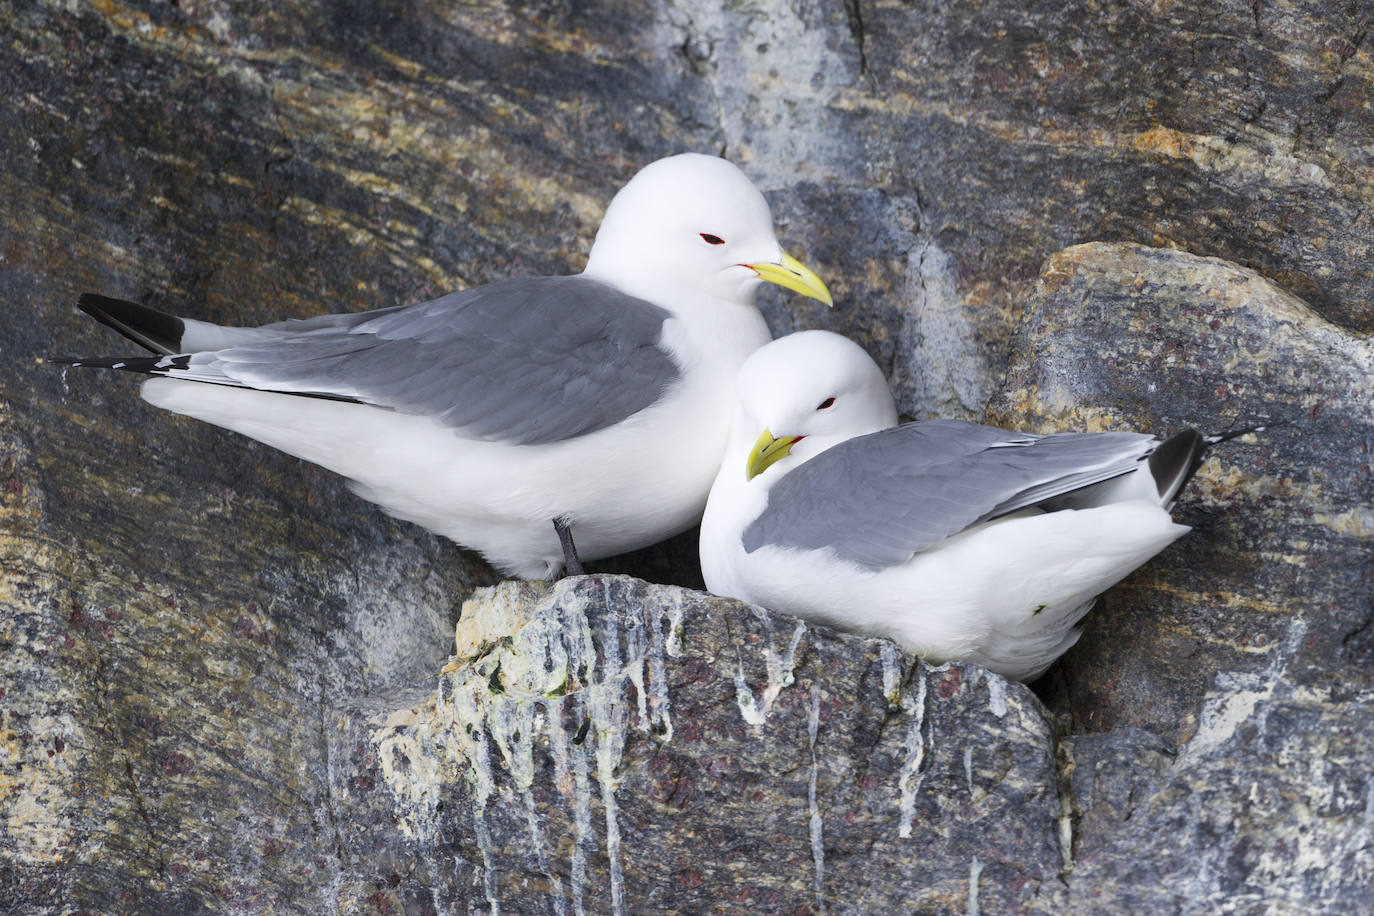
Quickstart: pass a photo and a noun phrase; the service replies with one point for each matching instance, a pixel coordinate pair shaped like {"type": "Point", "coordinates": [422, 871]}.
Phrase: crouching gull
{"type": "Point", "coordinates": [510, 417]}
{"type": "Point", "coordinates": [959, 541]}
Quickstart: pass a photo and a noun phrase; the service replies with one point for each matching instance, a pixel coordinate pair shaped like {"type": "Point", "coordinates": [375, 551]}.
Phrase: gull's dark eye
{"type": "Point", "coordinates": [710, 239]}
{"type": "Point", "coordinates": [828, 402]}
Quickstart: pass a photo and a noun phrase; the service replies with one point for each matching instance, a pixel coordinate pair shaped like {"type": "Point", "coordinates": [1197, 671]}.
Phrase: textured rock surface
{"type": "Point", "coordinates": [643, 748]}
{"type": "Point", "coordinates": [1267, 809]}
{"type": "Point", "coordinates": [171, 668]}
{"type": "Point", "coordinates": [1235, 667]}
{"type": "Point", "coordinates": [1278, 573]}
{"type": "Point", "coordinates": [201, 638]}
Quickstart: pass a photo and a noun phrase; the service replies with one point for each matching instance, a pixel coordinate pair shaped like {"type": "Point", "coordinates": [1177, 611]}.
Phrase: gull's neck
{"type": "Point", "coordinates": [677, 295]}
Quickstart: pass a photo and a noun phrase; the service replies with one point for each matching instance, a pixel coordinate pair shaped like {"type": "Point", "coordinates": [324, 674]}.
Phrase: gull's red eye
{"type": "Point", "coordinates": [828, 402]}
{"type": "Point", "coordinates": [710, 239]}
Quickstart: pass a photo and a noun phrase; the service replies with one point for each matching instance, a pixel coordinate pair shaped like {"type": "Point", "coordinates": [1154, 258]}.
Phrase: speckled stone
{"type": "Point", "coordinates": [1214, 718]}
{"type": "Point", "coordinates": [1278, 570]}
{"type": "Point", "coordinates": [1266, 810]}
{"type": "Point", "coordinates": [614, 746]}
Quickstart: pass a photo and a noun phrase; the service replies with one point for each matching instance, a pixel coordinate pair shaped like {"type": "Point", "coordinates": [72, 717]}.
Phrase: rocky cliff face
{"type": "Point", "coordinates": [224, 678]}
{"type": "Point", "coordinates": [643, 748]}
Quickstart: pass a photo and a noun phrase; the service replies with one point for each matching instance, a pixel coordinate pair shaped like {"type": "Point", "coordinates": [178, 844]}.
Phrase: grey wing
{"type": "Point", "coordinates": [878, 499]}
{"type": "Point", "coordinates": [524, 361]}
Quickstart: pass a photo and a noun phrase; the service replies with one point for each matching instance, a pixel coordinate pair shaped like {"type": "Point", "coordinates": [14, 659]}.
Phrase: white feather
{"type": "Point", "coordinates": [623, 487]}
{"type": "Point", "coordinates": [1005, 593]}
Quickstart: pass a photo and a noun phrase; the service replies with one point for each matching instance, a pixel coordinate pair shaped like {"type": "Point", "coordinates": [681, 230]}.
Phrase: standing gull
{"type": "Point", "coordinates": [514, 416]}
{"type": "Point", "coordinates": [959, 541]}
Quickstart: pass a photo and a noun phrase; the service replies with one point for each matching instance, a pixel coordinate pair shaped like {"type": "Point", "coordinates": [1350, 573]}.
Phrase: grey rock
{"type": "Point", "coordinates": [1217, 705]}
{"type": "Point", "coordinates": [617, 746]}
{"type": "Point", "coordinates": [1277, 573]}
{"type": "Point", "coordinates": [1266, 810]}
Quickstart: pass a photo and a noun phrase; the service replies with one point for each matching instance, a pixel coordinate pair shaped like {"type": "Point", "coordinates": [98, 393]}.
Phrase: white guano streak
{"type": "Point", "coordinates": [779, 666]}
{"type": "Point", "coordinates": [893, 670]}
{"type": "Point", "coordinates": [909, 780]}
{"type": "Point", "coordinates": [659, 707]}
{"type": "Point", "coordinates": [817, 824]}
{"type": "Point", "coordinates": [549, 677]}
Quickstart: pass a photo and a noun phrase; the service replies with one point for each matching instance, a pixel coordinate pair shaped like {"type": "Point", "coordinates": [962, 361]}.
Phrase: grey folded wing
{"type": "Point", "coordinates": [523, 361]}
{"type": "Point", "coordinates": [877, 500]}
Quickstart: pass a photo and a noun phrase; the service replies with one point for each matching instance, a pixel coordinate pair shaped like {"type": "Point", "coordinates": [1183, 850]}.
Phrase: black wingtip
{"type": "Point", "coordinates": [1177, 458]}
{"type": "Point", "coordinates": [148, 365]}
{"type": "Point", "coordinates": [149, 328]}
{"type": "Point", "coordinates": [1217, 438]}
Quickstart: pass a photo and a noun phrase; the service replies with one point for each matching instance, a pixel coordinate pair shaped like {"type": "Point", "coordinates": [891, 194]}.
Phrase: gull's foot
{"type": "Point", "coordinates": [572, 566]}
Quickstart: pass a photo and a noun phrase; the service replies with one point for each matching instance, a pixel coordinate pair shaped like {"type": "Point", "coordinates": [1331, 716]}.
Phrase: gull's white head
{"type": "Point", "coordinates": [805, 392]}
{"type": "Point", "coordinates": [694, 223]}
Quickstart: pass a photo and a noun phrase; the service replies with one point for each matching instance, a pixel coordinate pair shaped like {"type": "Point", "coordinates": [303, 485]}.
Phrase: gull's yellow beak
{"type": "Point", "coordinates": [794, 275]}
{"type": "Point", "coordinates": [768, 451]}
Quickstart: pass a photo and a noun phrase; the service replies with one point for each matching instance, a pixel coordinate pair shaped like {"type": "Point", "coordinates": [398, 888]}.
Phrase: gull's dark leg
{"type": "Point", "coordinates": [572, 566]}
